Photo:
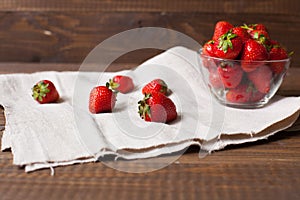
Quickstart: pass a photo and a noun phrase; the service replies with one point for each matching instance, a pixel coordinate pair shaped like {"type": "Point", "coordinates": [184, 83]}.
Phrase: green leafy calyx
{"type": "Point", "coordinates": [40, 90]}
{"type": "Point", "coordinates": [144, 108]}
{"type": "Point", "coordinates": [225, 41]}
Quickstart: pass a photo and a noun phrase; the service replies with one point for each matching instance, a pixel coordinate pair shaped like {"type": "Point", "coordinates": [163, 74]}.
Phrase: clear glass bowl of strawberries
{"type": "Point", "coordinates": [242, 66]}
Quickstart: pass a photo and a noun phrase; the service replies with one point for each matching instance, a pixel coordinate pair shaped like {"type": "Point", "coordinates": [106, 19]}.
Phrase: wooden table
{"type": "Point", "coordinates": [266, 169]}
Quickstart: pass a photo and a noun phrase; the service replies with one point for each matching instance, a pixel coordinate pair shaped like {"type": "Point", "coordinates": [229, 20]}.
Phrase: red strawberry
{"type": "Point", "coordinates": [221, 28]}
{"type": "Point", "coordinates": [215, 79]}
{"type": "Point", "coordinates": [273, 43]}
{"type": "Point", "coordinates": [208, 48]}
{"type": "Point", "coordinates": [156, 85]}
{"type": "Point", "coordinates": [261, 78]}
{"type": "Point", "coordinates": [231, 74]}
{"type": "Point", "coordinates": [45, 92]}
{"type": "Point", "coordinates": [102, 99]}
{"type": "Point", "coordinates": [261, 36]}
{"type": "Point", "coordinates": [278, 53]}
{"type": "Point", "coordinates": [260, 27]}
{"type": "Point", "coordinates": [253, 51]}
{"type": "Point", "coordinates": [242, 33]}
{"type": "Point", "coordinates": [156, 107]}
{"type": "Point", "coordinates": [229, 46]}
{"type": "Point", "coordinates": [252, 27]}
{"type": "Point", "coordinates": [123, 84]}
{"type": "Point", "coordinates": [240, 94]}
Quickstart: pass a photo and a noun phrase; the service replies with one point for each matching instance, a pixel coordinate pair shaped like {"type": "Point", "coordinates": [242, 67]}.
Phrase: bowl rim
{"type": "Point", "coordinates": [234, 60]}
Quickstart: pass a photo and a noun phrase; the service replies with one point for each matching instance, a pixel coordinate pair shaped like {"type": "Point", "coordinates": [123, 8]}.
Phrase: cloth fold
{"type": "Point", "coordinates": [64, 133]}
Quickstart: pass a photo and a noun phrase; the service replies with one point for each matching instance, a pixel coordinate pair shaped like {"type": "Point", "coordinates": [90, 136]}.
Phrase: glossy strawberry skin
{"type": "Point", "coordinates": [242, 33]}
{"type": "Point", "coordinates": [124, 84]}
{"type": "Point", "coordinates": [221, 28]}
{"type": "Point", "coordinates": [278, 53]}
{"type": "Point", "coordinates": [261, 78]}
{"type": "Point", "coordinates": [45, 92]}
{"type": "Point", "coordinates": [240, 94]}
{"type": "Point", "coordinates": [156, 85]}
{"type": "Point", "coordinates": [208, 51]}
{"type": "Point", "coordinates": [228, 46]}
{"type": "Point", "coordinates": [208, 48]}
{"type": "Point", "coordinates": [101, 100]}
{"type": "Point", "coordinates": [231, 74]}
{"type": "Point", "coordinates": [253, 51]}
{"type": "Point", "coordinates": [261, 36]}
{"type": "Point", "coordinates": [156, 107]}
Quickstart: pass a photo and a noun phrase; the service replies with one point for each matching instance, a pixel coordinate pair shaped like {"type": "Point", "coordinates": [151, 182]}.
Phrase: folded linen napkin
{"type": "Point", "coordinates": [64, 133]}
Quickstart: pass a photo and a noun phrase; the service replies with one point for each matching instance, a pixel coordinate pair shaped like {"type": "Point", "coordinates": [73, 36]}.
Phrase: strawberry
{"type": "Point", "coordinates": [221, 28]}
{"type": "Point", "coordinates": [244, 93]}
{"type": "Point", "coordinates": [240, 94]}
{"type": "Point", "coordinates": [253, 51]}
{"type": "Point", "coordinates": [156, 107]}
{"type": "Point", "coordinates": [261, 36]}
{"type": "Point", "coordinates": [252, 27]}
{"type": "Point", "coordinates": [215, 79]}
{"type": "Point", "coordinates": [231, 74]}
{"type": "Point", "coordinates": [102, 99]}
{"type": "Point", "coordinates": [259, 27]}
{"type": "Point", "coordinates": [208, 48]}
{"type": "Point", "coordinates": [123, 84]}
{"type": "Point", "coordinates": [156, 85]}
{"type": "Point", "coordinates": [45, 92]}
{"type": "Point", "coordinates": [242, 33]}
{"type": "Point", "coordinates": [277, 53]}
{"type": "Point", "coordinates": [273, 43]}
{"type": "Point", "coordinates": [229, 46]}
{"type": "Point", "coordinates": [261, 78]}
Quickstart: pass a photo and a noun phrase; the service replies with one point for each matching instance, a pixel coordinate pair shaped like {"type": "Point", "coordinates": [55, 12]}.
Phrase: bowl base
{"type": "Point", "coordinates": [250, 105]}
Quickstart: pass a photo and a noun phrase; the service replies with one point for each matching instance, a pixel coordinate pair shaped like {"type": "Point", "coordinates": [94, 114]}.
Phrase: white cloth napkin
{"type": "Point", "coordinates": [64, 133]}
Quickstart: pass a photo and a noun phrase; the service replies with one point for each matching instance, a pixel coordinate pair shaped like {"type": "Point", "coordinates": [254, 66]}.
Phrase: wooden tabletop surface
{"type": "Point", "coordinates": [267, 169]}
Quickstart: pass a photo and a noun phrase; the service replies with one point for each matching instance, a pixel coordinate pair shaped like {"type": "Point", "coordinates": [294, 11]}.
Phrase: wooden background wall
{"type": "Point", "coordinates": [66, 30]}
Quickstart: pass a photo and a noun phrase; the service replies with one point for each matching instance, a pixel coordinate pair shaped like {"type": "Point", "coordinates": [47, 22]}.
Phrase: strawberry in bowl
{"type": "Point", "coordinates": [242, 65]}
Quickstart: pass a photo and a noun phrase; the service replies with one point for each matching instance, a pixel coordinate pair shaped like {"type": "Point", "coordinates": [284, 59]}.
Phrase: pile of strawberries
{"type": "Point", "coordinates": [245, 79]}
{"type": "Point", "coordinates": [154, 107]}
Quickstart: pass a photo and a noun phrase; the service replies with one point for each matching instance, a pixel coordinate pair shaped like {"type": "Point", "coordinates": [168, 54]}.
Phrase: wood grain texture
{"type": "Point", "coordinates": [61, 31]}
{"type": "Point", "coordinates": [212, 6]}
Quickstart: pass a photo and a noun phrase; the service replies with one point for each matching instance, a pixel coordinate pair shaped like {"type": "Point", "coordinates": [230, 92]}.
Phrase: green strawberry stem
{"type": "Point", "coordinates": [211, 42]}
{"type": "Point", "coordinates": [260, 38]}
{"type": "Point", "coordinates": [225, 41]}
{"type": "Point", "coordinates": [144, 108]}
{"type": "Point", "coordinates": [112, 85]}
{"type": "Point", "coordinates": [245, 26]}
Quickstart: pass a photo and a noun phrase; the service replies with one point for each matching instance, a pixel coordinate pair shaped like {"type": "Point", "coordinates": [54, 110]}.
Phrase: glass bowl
{"type": "Point", "coordinates": [240, 83]}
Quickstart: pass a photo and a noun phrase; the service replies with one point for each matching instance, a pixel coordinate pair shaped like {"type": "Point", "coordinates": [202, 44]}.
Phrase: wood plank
{"type": "Point", "coordinates": [291, 84]}
{"type": "Point", "coordinates": [260, 170]}
{"type": "Point", "coordinates": [69, 37]}
{"type": "Point", "coordinates": [212, 6]}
